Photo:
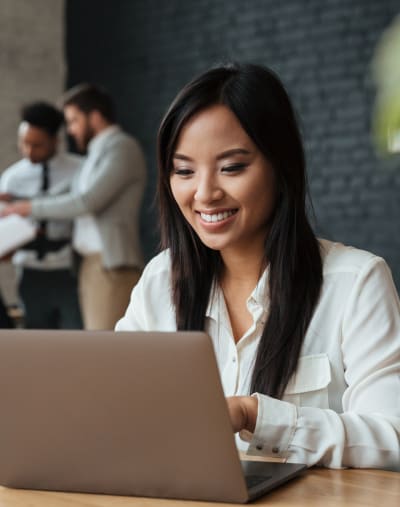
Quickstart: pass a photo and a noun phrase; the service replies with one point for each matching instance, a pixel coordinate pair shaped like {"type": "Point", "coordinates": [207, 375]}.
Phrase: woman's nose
{"type": "Point", "coordinates": [208, 190]}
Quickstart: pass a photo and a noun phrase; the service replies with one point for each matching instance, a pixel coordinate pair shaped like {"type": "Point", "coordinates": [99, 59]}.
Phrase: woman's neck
{"type": "Point", "coordinates": [239, 277]}
{"type": "Point", "coordinates": [242, 269]}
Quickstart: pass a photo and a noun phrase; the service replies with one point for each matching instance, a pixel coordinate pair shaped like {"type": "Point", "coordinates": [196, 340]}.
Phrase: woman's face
{"type": "Point", "coordinates": [222, 183]}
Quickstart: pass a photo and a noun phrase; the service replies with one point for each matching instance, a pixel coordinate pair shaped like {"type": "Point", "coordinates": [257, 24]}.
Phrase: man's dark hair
{"type": "Point", "coordinates": [89, 97]}
{"type": "Point", "coordinates": [44, 116]}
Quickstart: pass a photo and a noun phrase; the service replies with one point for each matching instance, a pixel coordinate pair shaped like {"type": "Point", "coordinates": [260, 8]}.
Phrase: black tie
{"type": "Point", "coordinates": [45, 177]}
{"type": "Point", "coordinates": [43, 223]}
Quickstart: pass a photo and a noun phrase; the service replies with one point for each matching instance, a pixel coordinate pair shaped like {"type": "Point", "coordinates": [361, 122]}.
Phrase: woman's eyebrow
{"type": "Point", "coordinates": [233, 151]}
{"type": "Point", "coordinates": [180, 156]}
{"type": "Point", "coordinates": [224, 154]}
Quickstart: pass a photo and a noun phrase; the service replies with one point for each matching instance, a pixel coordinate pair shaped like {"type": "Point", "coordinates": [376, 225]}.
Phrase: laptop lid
{"type": "Point", "coordinates": [126, 413]}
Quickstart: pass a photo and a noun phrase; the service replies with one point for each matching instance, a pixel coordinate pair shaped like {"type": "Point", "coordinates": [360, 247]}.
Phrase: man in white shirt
{"type": "Point", "coordinates": [47, 287]}
{"type": "Point", "coordinates": [104, 200]}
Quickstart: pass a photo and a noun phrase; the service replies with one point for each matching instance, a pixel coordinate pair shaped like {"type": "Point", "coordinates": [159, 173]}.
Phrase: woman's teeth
{"type": "Point", "coordinates": [217, 217]}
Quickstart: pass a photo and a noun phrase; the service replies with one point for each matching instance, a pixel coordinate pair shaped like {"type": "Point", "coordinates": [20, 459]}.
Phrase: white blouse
{"type": "Point", "coordinates": [342, 406]}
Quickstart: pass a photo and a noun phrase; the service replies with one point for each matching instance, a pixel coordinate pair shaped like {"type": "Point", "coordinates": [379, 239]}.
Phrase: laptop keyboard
{"type": "Point", "coordinates": [255, 480]}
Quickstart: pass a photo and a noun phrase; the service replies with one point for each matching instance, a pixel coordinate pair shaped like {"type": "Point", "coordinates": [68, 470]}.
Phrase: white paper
{"type": "Point", "coordinates": [15, 231]}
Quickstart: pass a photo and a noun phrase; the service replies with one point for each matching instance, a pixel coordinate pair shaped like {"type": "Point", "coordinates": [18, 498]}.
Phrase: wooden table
{"type": "Point", "coordinates": [316, 488]}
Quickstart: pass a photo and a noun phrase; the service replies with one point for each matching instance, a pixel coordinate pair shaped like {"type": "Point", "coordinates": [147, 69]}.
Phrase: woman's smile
{"type": "Point", "coordinates": [216, 217]}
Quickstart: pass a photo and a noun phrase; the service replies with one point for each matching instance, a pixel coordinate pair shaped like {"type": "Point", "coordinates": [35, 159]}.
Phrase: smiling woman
{"type": "Point", "coordinates": [223, 184]}
{"type": "Point", "coordinates": [306, 332]}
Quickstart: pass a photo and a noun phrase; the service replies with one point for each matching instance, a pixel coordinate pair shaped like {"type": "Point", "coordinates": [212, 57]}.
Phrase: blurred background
{"type": "Point", "coordinates": [143, 51]}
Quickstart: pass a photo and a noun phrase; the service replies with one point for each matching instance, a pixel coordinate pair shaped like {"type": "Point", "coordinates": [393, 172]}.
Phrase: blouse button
{"type": "Point", "coordinates": [275, 450]}
{"type": "Point", "coordinates": [259, 447]}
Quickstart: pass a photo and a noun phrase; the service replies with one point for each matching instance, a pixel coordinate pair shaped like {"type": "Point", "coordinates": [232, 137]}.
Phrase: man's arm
{"type": "Point", "coordinates": [6, 197]}
{"type": "Point", "coordinates": [120, 166]}
{"type": "Point", "coordinates": [23, 208]}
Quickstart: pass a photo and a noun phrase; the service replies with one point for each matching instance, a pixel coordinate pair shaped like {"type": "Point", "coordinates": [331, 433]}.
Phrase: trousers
{"type": "Point", "coordinates": [50, 299]}
{"type": "Point", "coordinates": [104, 293]}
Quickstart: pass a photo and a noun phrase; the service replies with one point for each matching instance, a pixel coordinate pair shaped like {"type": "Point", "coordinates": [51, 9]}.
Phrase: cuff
{"type": "Point", "coordinates": [275, 427]}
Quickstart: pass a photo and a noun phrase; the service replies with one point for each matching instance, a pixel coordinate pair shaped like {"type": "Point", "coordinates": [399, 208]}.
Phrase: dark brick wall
{"type": "Point", "coordinates": [143, 51]}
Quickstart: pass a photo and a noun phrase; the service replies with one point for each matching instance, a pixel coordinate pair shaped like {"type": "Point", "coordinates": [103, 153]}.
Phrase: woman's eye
{"type": "Point", "coordinates": [233, 168]}
{"type": "Point", "coordinates": [181, 171]}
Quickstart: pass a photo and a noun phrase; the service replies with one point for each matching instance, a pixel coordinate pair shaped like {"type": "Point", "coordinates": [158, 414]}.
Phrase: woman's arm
{"type": "Point", "coordinates": [367, 432]}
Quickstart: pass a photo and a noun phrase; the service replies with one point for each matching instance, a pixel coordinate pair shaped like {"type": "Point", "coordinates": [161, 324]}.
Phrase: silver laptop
{"type": "Point", "coordinates": [123, 413]}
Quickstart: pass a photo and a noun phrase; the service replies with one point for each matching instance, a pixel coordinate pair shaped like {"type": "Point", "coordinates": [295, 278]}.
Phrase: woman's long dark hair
{"type": "Point", "coordinates": [259, 101]}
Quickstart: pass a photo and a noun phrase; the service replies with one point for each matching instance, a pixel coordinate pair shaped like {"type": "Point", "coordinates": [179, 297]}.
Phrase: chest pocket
{"type": "Point", "coordinates": [309, 385]}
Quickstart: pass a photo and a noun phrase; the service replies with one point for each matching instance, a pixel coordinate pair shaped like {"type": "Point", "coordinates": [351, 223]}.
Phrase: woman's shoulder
{"type": "Point", "coordinates": [340, 258]}
{"type": "Point", "coordinates": [151, 307]}
{"type": "Point", "coordinates": [158, 265]}
{"type": "Point", "coordinates": [156, 276]}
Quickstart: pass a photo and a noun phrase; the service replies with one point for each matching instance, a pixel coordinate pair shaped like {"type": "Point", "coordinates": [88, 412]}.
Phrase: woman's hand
{"type": "Point", "coordinates": [243, 412]}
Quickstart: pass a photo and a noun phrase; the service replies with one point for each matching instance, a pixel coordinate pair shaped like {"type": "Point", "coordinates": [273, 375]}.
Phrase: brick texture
{"type": "Point", "coordinates": [143, 51]}
{"type": "Point", "coordinates": [31, 68]}
{"type": "Point", "coordinates": [31, 62]}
